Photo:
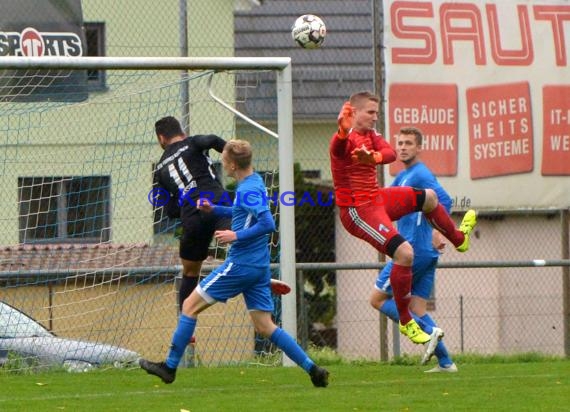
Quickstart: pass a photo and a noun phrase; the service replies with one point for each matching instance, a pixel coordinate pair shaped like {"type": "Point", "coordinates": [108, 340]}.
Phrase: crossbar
{"type": "Point", "coordinates": [136, 63]}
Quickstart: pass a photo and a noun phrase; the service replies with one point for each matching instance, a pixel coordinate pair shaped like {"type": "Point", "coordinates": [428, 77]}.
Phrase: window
{"type": "Point", "coordinates": [64, 209]}
{"type": "Point", "coordinates": [95, 38]}
{"type": "Point", "coordinates": [311, 174]}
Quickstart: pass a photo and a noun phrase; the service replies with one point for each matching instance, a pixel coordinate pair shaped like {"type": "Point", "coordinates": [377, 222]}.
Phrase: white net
{"type": "Point", "coordinates": [86, 256]}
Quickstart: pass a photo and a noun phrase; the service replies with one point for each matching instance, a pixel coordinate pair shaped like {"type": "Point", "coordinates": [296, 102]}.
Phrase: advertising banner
{"type": "Point", "coordinates": [488, 83]}
{"type": "Point", "coordinates": [42, 28]}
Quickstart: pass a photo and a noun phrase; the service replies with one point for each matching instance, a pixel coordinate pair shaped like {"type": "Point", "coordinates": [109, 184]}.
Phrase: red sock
{"type": "Point", "coordinates": [401, 282]}
{"type": "Point", "coordinates": [440, 220]}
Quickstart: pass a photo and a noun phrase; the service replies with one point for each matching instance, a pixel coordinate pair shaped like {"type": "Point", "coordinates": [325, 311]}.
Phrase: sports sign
{"type": "Point", "coordinates": [30, 28]}
{"type": "Point", "coordinates": [488, 83]}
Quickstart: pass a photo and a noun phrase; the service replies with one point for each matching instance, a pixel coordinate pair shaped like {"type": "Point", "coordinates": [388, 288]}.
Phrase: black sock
{"type": "Point", "coordinates": [187, 285]}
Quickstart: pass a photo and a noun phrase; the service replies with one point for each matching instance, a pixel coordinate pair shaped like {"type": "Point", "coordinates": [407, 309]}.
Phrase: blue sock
{"type": "Point", "coordinates": [180, 340]}
{"type": "Point", "coordinates": [389, 309]}
{"type": "Point", "coordinates": [443, 357]}
{"type": "Point", "coordinates": [426, 326]}
{"type": "Point", "coordinates": [287, 344]}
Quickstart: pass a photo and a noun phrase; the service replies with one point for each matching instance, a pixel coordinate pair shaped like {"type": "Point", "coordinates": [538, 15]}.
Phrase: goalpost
{"type": "Point", "coordinates": [83, 251]}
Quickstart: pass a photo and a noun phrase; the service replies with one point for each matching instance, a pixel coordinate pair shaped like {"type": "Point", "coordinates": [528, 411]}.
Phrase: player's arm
{"type": "Point", "coordinates": [339, 142]}
{"type": "Point", "coordinates": [338, 147]}
{"type": "Point", "coordinates": [224, 211]}
{"type": "Point", "coordinates": [264, 225]}
{"type": "Point", "coordinates": [385, 149]}
{"type": "Point", "coordinates": [209, 141]}
{"type": "Point", "coordinates": [206, 206]}
{"type": "Point", "coordinates": [383, 152]}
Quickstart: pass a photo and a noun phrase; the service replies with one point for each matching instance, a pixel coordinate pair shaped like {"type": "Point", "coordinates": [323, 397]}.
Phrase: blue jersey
{"type": "Point", "coordinates": [250, 201]}
{"type": "Point", "coordinates": [414, 227]}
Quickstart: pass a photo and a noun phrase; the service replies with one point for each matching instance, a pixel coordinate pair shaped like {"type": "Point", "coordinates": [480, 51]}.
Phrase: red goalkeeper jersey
{"type": "Point", "coordinates": [354, 182]}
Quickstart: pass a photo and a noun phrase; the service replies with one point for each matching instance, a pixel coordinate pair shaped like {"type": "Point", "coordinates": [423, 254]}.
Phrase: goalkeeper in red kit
{"type": "Point", "coordinates": [367, 210]}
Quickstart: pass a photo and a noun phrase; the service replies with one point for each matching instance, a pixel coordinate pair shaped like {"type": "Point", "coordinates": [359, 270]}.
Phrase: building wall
{"type": "Point", "coordinates": [112, 132]}
{"type": "Point", "coordinates": [482, 310]}
{"type": "Point", "coordinates": [113, 135]}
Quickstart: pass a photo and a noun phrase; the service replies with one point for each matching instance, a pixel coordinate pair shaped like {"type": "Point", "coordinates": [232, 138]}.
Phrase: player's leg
{"type": "Point", "coordinates": [422, 285]}
{"type": "Point", "coordinates": [382, 291]}
{"type": "Point", "coordinates": [401, 282]}
{"type": "Point", "coordinates": [259, 302]}
{"type": "Point", "coordinates": [190, 278]}
{"type": "Point", "coordinates": [386, 305]}
{"type": "Point", "coordinates": [198, 231]}
{"type": "Point", "coordinates": [418, 307]}
{"type": "Point", "coordinates": [441, 353]}
{"type": "Point", "coordinates": [371, 223]}
{"type": "Point", "coordinates": [259, 297]}
{"type": "Point", "coordinates": [218, 286]}
{"type": "Point", "coordinates": [399, 201]}
{"type": "Point", "coordinates": [402, 200]}
{"type": "Point", "coordinates": [265, 326]}
{"type": "Point", "coordinates": [381, 297]}
{"type": "Point", "coordinates": [439, 218]}
{"type": "Point", "coordinates": [184, 331]}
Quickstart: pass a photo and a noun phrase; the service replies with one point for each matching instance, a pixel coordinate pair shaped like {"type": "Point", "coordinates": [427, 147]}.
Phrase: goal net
{"type": "Point", "coordinates": [88, 267]}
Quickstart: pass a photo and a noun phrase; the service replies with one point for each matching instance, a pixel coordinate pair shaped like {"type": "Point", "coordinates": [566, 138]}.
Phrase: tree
{"type": "Point", "coordinates": [315, 239]}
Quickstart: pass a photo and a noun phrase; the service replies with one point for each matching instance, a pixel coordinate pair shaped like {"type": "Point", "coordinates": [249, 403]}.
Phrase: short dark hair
{"type": "Point", "coordinates": [415, 131]}
{"type": "Point", "coordinates": [168, 127]}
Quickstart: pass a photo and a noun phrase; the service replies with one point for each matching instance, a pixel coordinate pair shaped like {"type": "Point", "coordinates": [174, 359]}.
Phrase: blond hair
{"type": "Point", "coordinates": [357, 99]}
{"type": "Point", "coordinates": [240, 152]}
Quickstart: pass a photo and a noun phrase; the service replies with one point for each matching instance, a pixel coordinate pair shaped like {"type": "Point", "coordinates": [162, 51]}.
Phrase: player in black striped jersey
{"type": "Point", "coordinates": [186, 171]}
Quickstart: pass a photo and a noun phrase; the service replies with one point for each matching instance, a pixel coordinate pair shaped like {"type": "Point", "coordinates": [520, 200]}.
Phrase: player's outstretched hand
{"type": "Point", "coordinates": [345, 120]}
{"type": "Point", "coordinates": [205, 205]}
{"type": "Point", "coordinates": [364, 156]}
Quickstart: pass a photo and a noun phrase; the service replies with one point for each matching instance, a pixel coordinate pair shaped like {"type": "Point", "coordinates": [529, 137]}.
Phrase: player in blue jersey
{"type": "Point", "coordinates": [245, 270]}
{"type": "Point", "coordinates": [427, 244]}
{"type": "Point", "coordinates": [186, 170]}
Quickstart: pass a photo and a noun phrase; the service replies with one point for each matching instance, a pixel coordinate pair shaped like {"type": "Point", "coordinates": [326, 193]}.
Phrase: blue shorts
{"type": "Point", "coordinates": [423, 272]}
{"type": "Point", "coordinates": [230, 279]}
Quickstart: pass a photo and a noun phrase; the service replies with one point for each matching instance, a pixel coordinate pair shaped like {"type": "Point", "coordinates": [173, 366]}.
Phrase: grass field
{"type": "Point", "coordinates": [493, 385]}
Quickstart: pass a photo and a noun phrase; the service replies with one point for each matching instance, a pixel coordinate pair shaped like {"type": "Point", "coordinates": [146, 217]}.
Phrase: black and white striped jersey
{"type": "Point", "coordinates": [186, 170]}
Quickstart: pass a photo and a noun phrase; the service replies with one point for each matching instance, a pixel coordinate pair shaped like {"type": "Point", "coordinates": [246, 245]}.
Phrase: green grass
{"type": "Point", "coordinates": [524, 383]}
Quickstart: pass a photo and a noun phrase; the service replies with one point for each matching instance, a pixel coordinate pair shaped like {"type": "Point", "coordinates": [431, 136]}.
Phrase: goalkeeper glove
{"type": "Point", "coordinates": [362, 155]}
{"type": "Point", "coordinates": [345, 120]}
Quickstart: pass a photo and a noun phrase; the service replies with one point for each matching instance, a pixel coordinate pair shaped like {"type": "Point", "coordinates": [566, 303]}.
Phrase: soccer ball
{"type": "Point", "coordinates": [309, 31]}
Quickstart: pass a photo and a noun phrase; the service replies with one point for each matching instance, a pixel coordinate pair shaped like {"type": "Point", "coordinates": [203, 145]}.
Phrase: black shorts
{"type": "Point", "coordinates": [198, 232]}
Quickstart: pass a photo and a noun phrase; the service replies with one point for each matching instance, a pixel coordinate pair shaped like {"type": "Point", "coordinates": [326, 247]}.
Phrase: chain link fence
{"type": "Point", "coordinates": [484, 310]}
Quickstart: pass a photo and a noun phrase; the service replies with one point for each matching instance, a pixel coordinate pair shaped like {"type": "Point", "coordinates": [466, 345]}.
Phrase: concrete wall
{"type": "Point", "coordinates": [485, 310]}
